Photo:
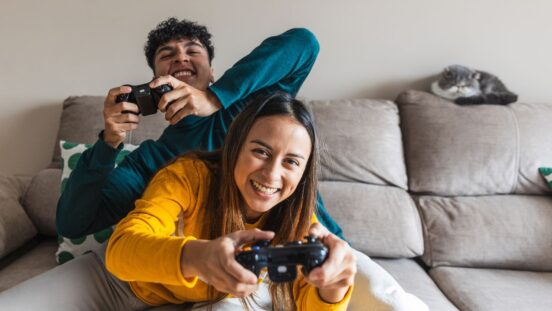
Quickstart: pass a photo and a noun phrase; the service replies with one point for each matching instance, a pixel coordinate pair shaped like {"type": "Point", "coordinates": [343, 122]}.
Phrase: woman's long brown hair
{"type": "Point", "coordinates": [291, 218]}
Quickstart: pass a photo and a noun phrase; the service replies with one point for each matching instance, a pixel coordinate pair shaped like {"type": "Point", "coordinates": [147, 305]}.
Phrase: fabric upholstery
{"type": "Point", "coordinates": [82, 121]}
{"type": "Point", "coordinates": [38, 259]}
{"type": "Point", "coordinates": [40, 200]}
{"type": "Point", "coordinates": [377, 220]}
{"type": "Point", "coordinates": [508, 231]}
{"type": "Point", "coordinates": [495, 290]}
{"type": "Point", "coordinates": [15, 226]}
{"type": "Point", "coordinates": [360, 141]}
{"type": "Point", "coordinates": [488, 149]}
{"type": "Point", "coordinates": [416, 281]}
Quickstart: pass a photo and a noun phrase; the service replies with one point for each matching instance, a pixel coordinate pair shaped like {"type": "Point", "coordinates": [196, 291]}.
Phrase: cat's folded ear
{"type": "Point", "coordinates": [477, 75]}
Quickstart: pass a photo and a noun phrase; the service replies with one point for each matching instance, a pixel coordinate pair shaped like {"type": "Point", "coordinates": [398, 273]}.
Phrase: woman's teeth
{"type": "Point", "coordinates": [262, 188]}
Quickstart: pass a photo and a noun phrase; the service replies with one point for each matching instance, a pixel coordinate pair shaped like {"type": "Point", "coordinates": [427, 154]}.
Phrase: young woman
{"type": "Point", "coordinates": [178, 245]}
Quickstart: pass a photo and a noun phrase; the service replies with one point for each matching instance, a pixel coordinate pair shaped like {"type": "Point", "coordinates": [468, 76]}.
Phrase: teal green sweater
{"type": "Point", "coordinates": [98, 195]}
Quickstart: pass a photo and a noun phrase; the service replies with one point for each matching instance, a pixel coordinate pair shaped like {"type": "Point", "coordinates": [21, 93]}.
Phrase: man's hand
{"type": "Point", "coordinates": [184, 100]}
{"type": "Point", "coordinates": [214, 261]}
{"type": "Point", "coordinates": [119, 118]}
{"type": "Point", "coordinates": [334, 278]}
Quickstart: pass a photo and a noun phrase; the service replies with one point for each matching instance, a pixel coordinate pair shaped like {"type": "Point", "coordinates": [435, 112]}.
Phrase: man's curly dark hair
{"type": "Point", "coordinates": [173, 29]}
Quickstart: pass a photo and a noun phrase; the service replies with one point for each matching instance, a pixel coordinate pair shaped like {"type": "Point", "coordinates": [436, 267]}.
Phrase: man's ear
{"type": "Point", "coordinates": [212, 75]}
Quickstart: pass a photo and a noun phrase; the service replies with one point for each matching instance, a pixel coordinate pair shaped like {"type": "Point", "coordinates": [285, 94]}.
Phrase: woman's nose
{"type": "Point", "coordinates": [272, 170]}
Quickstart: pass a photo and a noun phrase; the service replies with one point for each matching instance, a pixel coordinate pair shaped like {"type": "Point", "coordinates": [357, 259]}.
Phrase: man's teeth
{"type": "Point", "coordinates": [262, 188]}
{"type": "Point", "coordinates": [182, 73]}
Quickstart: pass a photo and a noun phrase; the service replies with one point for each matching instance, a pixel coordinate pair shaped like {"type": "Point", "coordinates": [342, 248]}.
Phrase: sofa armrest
{"type": "Point", "coordinates": [15, 226]}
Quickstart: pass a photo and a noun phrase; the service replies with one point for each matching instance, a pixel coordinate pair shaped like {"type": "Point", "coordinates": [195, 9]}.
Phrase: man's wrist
{"type": "Point", "coordinates": [213, 99]}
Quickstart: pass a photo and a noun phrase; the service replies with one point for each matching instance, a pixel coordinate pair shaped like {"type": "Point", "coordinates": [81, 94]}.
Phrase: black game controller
{"type": "Point", "coordinates": [145, 97]}
{"type": "Point", "coordinates": [281, 260]}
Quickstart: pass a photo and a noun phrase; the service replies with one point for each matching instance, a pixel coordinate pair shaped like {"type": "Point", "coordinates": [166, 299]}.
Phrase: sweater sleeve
{"type": "Point", "coordinates": [143, 246]}
{"type": "Point", "coordinates": [98, 195]}
{"type": "Point", "coordinates": [306, 295]}
{"type": "Point", "coordinates": [281, 62]}
{"type": "Point", "coordinates": [307, 298]}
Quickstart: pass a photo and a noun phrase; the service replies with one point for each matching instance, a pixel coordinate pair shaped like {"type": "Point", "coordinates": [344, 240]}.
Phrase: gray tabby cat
{"type": "Point", "coordinates": [466, 86]}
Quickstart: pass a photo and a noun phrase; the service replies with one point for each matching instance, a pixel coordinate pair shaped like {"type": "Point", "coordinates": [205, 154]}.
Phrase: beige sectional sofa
{"type": "Point", "coordinates": [446, 198]}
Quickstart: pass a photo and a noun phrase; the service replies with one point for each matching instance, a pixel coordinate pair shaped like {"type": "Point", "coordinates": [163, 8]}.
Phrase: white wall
{"type": "Point", "coordinates": [374, 48]}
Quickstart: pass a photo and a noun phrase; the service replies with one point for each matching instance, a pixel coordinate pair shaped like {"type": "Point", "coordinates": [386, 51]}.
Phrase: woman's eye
{"type": "Point", "coordinates": [293, 162]}
{"type": "Point", "coordinates": [261, 152]}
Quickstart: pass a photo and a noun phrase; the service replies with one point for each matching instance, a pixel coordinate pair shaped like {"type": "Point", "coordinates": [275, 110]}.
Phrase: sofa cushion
{"type": "Point", "coordinates": [40, 200]}
{"type": "Point", "coordinates": [507, 231]}
{"type": "Point", "coordinates": [474, 150]}
{"type": "Point", "coordinates": [494, 289]}
{"type": "Point", "coordinates": [377, 220]}
{"type": "Point", "coordinates": [33, 262]}
{"type": "Point", "coordinates": [416, 281]}
{"type": "Point", "coordinates": [71, 248]}
{"type": "Point", "coordinates": [360, 141]}
{"type": "Point", "coordinates": [15, 226]}
{"type": "Point", "coordinates": [376, 289]}
{"type": "Point", "coordinates": [82, 121]}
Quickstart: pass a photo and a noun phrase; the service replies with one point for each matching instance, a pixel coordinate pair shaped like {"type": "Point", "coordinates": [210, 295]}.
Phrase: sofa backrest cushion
{"type": "Point", "coordinates": [474, 150]}
{"type": "Point", "coordinates": [380, 221]}
{"type": "Point", "coordinates": [363, 176]}
{"type": "Point", "coordinates": [500, 231]}
{"type": "Point", "coordinates": [360, 141]}
{"type": "Point", "coordinates": [82, 120]}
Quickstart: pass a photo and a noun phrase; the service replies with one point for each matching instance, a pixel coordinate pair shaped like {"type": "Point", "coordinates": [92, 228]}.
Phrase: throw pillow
{"type": "Point", "coordinates": [546, 172]}
{"type": "Point", "coordinates": [71, 248]}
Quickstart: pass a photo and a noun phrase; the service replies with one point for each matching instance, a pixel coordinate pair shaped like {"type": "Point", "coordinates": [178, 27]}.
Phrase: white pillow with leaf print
{"type": "Point", "coordinates": [72, 248]}
{"type": "Point", "coordinates": [546, 172]}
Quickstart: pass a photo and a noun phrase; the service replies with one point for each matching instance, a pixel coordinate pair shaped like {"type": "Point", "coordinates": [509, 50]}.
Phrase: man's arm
{"type": "Point", "coordinates": [98, 196]}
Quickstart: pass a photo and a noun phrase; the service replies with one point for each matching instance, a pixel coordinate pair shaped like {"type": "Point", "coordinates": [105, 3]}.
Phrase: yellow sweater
{"type": "Point", "coordinates": [146, 246]}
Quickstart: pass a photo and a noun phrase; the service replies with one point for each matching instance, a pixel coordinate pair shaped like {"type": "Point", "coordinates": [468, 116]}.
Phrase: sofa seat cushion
{"type": "Point", "coordinates": [456, 150]}
{"type": "Point", "coordinates": [495, 290]}
{"type": "Point", "coordinates": [416, 281]}
{"type": "Point", "coordinates": [380, 221]}
{"type": "Point", "coordinates": [360, 140]}
{"type": "Point", "coordinates": [507, 231]}
{"type": "Point", "coordinates": [38, 259]}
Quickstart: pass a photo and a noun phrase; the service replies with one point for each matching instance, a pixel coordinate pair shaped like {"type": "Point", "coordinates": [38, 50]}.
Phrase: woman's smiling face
{"type": "Point", "coordinates": [271, 163]}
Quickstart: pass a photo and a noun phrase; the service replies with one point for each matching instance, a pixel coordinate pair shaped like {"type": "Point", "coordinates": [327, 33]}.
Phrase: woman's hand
{"type": "Point", "coordinates": [334, 278]}
{"type": "Point", "coordinates": [214, 261]}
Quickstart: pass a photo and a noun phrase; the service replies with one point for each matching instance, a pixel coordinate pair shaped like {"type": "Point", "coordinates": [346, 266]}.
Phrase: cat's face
{"type": "Point", "coordinates": [458, 77]}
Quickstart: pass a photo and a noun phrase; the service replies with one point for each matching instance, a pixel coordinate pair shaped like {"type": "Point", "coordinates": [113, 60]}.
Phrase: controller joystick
{"type": "Point", "coordinates": [282, 261]}
{"type": "Point", "coordinates": [145, 97]}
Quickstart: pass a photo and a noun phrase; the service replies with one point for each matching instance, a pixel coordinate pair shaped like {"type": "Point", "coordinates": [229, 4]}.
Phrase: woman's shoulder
{"type": "Point", "coordinates": [188, 164]}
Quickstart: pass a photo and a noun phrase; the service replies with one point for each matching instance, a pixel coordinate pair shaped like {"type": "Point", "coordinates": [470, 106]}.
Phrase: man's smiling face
{"type": "Point", "coordinates": [185, 59]}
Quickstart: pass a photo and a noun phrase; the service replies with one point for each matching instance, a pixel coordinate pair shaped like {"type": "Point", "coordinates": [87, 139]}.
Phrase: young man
{"type": "Point", "coordinates": [98, 195]}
